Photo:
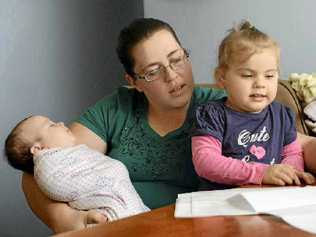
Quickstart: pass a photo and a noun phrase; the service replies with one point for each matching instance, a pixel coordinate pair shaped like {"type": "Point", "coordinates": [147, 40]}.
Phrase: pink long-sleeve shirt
{"type": "Point", "coordinates": [210, 164]}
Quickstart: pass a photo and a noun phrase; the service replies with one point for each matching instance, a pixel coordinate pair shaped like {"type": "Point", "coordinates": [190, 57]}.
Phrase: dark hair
{"type": "Point", "coordinates": [17, 150]}
{"type": "Point", "coordinates": [137, 31]}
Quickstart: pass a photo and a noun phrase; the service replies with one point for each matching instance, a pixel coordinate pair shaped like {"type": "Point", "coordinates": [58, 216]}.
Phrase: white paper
{"type": "Point", "coordinates": [295, 205]}
{"type": "Point", "coordinates": [268, 200]}
{"type": "Point", "coordinates": [303, 218]}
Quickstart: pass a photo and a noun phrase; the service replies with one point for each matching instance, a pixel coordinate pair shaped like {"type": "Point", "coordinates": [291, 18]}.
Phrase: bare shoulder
{"type": "Point", "coordinates": [85, 136]}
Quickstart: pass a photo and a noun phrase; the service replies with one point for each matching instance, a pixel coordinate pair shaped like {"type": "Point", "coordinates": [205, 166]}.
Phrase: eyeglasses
{"type": "Point", "coordinates": [177, 63]}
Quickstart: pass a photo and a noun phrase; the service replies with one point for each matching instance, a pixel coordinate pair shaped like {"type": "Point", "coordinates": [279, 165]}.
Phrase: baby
{"type": "Point", "coordinates": [64, 171]}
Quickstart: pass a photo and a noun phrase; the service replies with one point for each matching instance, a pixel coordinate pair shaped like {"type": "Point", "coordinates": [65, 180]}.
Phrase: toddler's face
{"type": "Point", "coordinates": [252, 85]}
{"type": "Point", "coordinates": [49, 133]}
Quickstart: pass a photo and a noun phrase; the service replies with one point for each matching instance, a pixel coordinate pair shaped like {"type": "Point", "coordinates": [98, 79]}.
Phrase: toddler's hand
{"type": "Point", "coordinates": [282, 174]}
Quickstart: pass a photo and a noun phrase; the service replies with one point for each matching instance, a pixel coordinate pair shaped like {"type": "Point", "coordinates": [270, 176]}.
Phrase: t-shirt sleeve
{"type": "Point", "coordinates": [98, 117]}
{"type": "Point", "coordinates": [290, 126]}
{"type": "Point", "coordinates": [217, 94]}
{"type": "Point", "coordinates": [209, 94]}
{"type": "Point", "coordinates": [209, 119]}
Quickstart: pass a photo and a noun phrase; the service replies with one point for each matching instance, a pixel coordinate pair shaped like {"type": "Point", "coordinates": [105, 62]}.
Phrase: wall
{"type": "Point", "coordinates": [56, 58]}
{"type": "Point", "coordinates": [202, 24]}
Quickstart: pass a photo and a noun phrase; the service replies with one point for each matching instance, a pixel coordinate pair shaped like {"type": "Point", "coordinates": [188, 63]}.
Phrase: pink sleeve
{"type": "Point", "coordinates": [292, 155]}
{"type": "Point", "coordinates": [210, 164]}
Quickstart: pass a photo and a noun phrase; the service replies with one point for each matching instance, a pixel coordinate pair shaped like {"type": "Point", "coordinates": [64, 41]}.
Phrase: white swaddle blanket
{"type": "Point", "coordinates": [87, 179]}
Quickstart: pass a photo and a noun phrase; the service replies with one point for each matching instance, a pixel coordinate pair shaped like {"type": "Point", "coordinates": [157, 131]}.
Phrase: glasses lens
{"type": "Point", "coordinates": [154, 74]}
{"type": "Point", "coordinates": [176, 63]}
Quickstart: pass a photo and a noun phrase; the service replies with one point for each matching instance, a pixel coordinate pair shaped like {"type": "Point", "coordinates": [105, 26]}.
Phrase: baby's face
{"type": "Point", "coordinates": [49, 133]}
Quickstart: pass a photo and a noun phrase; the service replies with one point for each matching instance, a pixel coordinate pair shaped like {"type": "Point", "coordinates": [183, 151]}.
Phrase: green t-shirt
{"type": "Point", "coordinates": [159, 167]}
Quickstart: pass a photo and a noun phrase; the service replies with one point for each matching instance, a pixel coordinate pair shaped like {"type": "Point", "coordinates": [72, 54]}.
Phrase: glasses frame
{"type": "Point", "coordinates": [145, 77]}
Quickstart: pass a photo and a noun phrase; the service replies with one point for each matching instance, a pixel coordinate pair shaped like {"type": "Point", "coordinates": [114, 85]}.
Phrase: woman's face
{"type": "Point", "coordinates": [174, 89]}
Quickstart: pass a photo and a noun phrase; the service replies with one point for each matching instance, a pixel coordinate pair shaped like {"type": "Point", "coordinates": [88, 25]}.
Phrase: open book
{"type": "Point", "coordinates": [295, 205]}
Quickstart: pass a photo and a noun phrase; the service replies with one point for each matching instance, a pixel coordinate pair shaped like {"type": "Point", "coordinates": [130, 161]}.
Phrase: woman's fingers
{"type": "Point", "coordinates": [94, 217]}
{"type": "Point", "coordinates": [307, 177]}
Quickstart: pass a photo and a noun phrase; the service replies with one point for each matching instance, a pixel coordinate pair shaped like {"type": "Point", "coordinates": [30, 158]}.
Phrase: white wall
{"type": "Point", "coordinates": [202, 24]}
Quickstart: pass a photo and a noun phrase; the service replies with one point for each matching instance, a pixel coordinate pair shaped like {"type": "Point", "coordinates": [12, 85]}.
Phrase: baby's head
{"type": "Point", "coordinates": [31, 136]}
{"type": "Point", "coordinates": [248, 68]}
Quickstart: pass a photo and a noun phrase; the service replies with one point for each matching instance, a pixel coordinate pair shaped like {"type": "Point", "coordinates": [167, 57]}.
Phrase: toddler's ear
{"type": "Point", "coordinates": [220, 82]}
{"type": "Point", "coordinates": [219, 78]}
{"type": "Point", "coordinates": [36, 148]}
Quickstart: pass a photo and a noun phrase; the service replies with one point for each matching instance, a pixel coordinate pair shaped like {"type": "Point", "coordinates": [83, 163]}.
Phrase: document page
{"type": "Point", "coordinates": [276, 199]}
{"type": "Point", "coordinates": [295, 205]}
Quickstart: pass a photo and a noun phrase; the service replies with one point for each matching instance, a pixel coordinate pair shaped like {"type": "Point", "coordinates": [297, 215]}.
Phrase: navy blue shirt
{"type": "Point", "coordinates": [252, 137]}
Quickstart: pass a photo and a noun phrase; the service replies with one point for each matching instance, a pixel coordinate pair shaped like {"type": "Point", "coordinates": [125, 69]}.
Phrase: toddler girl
{"type": "Point", "coordinates": [247, 138]}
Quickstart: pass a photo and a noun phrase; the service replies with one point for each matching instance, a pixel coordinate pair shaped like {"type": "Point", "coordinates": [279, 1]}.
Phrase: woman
{"type": "Point", "coordinates": [147, 127]}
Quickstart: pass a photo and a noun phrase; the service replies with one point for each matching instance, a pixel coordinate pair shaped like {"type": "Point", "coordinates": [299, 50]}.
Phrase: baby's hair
{"type": "Point", "coordinates": [17, 149]}
{"type": "Point", "coordinates": [240, 44]}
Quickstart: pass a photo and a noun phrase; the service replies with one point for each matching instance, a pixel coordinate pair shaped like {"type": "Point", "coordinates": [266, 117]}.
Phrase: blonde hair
{"type": "Point", "coordinates": [240, 44]}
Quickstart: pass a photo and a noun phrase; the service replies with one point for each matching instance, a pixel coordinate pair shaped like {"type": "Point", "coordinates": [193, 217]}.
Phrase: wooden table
{"type": "Point", "coordinates": [161, 223]}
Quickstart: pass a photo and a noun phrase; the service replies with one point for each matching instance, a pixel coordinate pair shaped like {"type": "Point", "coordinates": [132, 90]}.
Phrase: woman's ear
{"type": "Point", "coordinates": [132, 82]}
{"type": "Point", "coordinates": [36, 148]}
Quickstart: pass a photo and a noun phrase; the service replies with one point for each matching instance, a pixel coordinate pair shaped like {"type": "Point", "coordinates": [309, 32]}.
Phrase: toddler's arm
{"type": "Point", "coordinates": [209, 163]}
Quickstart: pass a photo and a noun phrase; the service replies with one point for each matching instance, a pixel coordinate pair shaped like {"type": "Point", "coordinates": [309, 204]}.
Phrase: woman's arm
{"type": "Point", "coordinates": [308, 144]}
{"type": "Point", "coordinates": [57, 215]}
{"type": "Point", "coordinates": [86, 136]}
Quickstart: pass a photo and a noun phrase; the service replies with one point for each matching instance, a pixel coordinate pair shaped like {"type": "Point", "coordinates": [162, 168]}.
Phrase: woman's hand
{"type": "Point", "coordinates": [73, 219]}
{"type": "Point", "coordinates": [308, 178]}
{"type": "Point", "coordinates": [57, 215]}
{"type": "Point", "coordinates": [93, 217]}
{"type": "Point", "coordinates": [309, 150]}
